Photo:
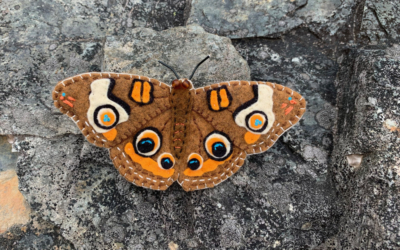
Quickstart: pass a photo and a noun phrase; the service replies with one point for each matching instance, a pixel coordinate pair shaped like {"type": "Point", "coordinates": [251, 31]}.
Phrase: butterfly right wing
{"type": "Point", "coordinates": [232, 120]}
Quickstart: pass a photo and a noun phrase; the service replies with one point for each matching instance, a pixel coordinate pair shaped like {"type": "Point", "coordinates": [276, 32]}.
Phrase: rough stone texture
{"type": "Point", "coordinates": [310, 191]}
{"type": "Point", "coordinates": [238, 19]}
{"type": "Point", "coordinates": [380, 22]}
{"type": "Point", "coordinates": [273, 18]}
{"type": "Point", "coordinates": [368, 125]}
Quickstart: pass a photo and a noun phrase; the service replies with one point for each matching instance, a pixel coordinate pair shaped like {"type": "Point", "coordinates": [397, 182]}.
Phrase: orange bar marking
{"type": "Point", "coordinates": [146, 92]}
{"type": "Point", "coordinates": [136, 91]}
{"type": "Point", "coordinates": [287, 111]}
{"type": "Point", "coordinates": [224, 98]}
{"type": "Point", "coordinates": [68, 103]}
{"type": "Point", "coordinates": [214, 100]}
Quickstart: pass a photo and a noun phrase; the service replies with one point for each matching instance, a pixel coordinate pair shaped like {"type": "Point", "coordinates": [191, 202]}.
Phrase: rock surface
{"type": "Point", "coordinates": [368, 101]}
{"type": "Point", "coordinates": [330, 183]}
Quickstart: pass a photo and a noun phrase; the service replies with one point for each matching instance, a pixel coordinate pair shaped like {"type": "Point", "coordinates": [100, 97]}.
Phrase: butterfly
{"type": "Point", "coordinates": [158, 134]}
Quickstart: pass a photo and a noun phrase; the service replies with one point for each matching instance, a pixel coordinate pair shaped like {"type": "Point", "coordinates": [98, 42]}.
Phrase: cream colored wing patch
{"type": "Point", "coordinates": [106, 110]}
{"type": "Point", "coordinates": [257, 115]}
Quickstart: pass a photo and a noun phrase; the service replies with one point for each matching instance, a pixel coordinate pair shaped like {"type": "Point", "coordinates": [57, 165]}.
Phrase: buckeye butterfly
{"type": "Point", "coordinates": [158, 134]}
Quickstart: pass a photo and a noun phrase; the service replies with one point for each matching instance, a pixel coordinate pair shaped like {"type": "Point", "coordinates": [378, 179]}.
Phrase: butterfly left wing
{"type": "Point", "coordinates": [245, 117]}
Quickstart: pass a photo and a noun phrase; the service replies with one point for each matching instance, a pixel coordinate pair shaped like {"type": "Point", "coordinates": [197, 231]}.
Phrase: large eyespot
{"type": "Point", "coordinates": [147, 142]}
{"type": "Point", "coordinates": [195, 161]}
{"type": "Point", "coordinates": [106, 116]}
{"type": "Point", "coordinates": [256, 121]}
{"type": "Point", "coordinates": [166, 161]}
{"type": "Point", "coordinates": [218, 146]}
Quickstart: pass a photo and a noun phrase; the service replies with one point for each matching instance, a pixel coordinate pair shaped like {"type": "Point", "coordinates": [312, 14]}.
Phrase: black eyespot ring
{"type": "Point", "coordinates": [256, 121]}
{"type": "Point", "coordinates": [147, 142]}
{"type": "Point", "coordinates": [195, 161]}
{"type": "Point", "coordinates": [101, 108]}
{"type": "Point", "coordinates": [218, 146]}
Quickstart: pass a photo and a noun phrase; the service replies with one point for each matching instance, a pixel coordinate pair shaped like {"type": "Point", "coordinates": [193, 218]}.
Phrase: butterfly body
{"type": "Point", "coordinates": [181, 102]}
{"type": "Point", "coordinates": [158, 134]}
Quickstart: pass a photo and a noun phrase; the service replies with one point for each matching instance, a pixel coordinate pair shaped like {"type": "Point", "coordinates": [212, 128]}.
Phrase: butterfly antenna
{"type": "Point", "coordinates": [190, 78]}
{"type": "Point", "coordinates": [177, 77]}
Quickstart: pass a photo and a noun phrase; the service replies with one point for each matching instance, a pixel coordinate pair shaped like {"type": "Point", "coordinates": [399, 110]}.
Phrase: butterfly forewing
{"type": "Point", "coordinates": [109, 107]}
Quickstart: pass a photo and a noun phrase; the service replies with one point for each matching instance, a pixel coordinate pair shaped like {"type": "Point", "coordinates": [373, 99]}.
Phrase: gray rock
{"type": "Point", "coordinates": [370, 191]}
{"type": "Point", "coordinates": [380, 22]}
{"type": "Point", "coordinates": [30, 23]}
{"type": "Point", "coordinates": [238, 19]}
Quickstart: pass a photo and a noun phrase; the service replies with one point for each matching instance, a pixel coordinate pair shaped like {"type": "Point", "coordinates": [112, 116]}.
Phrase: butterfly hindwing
{"type": "Point", "coordinates": [110, 107]}
{"type": "Point", "coordinates": [210, 158]}
{"type": "Point", "coordinates": [145, 159]}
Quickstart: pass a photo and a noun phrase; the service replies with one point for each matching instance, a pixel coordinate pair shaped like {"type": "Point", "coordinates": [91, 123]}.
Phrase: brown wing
{"type": "Point", "coordinates": [110, 107]}
{"type": "Point", "coordinates": [231, 120]}
{"type": "Point", "coordinates": [145, 159]}
{"type": "Point", "coordinates": [210, 157]}
{"type": "Point", "coordinates": [256, 114]}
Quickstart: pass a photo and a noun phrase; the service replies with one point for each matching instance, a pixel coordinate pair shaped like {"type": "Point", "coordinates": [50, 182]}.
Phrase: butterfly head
{"type": "Point", "coordinates": [182, 84]}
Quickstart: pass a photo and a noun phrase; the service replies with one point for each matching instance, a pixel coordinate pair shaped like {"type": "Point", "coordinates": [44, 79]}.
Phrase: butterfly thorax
{"type": "Point", "coordinates": [181, 106]}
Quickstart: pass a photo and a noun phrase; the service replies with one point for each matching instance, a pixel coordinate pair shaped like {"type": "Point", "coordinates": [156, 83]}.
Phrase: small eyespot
{"type": "Point", "coordinates": [147, 142]}
{"type": "Point", "coordinates": [256, 121]}
{"type": "Point", "coordinates": [195, 161]}
{"type": "Point", "coordinates": [166, 161]}
{"type": "Point", "coordinates": [106, 116]}
{"type": "Point", "coordinates": [218, 146]}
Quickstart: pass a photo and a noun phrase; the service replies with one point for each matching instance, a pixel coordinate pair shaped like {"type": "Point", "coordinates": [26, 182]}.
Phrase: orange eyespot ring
{"type": "Point", "coordinates": [256, 121]}
{"type": "Point", "coordinates": [147, 142]}
{"type": "Point", "coordinates": [166, 161]}
{"type": "Point", "coordinates": [195, 161]}
{"type": "Point", "coordinates": [218, 146]}
{"type": "Point", "coordinates": [106, 116]}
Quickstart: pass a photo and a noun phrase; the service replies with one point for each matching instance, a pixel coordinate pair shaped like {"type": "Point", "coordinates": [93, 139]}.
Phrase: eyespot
{"type": "Point", "coordinates": [106, 116]}
{"type": "Point", "coordinates": [147, 142]}
{"type": "Point", "coordinates": [218, 146]}
{"type": "Point", "coordinates": [166, 161]}
{"type": "Point", "coordinates": [195, 161]}
{"type": "Point", "coordinates": [256, 121]}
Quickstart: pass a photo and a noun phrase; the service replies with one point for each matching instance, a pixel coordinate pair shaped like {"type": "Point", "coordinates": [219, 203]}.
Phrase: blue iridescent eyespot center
{"type": "Point", "coordinates": [145, 145]}
{"type": "Point", "coordinates": [166, 163]}
{"type": "Point", "coordinates": [257, 122]}
{"type": "Point", "coordinates": [290, 98]}
{"type": "Point", "coordinates": [218, 149]}
{"type": "Point", "coordinates": [63, 94]}
{"type": "Point", "coordinates": [106, 118]}
{"type": "Point", "coordinates": [194, 164]}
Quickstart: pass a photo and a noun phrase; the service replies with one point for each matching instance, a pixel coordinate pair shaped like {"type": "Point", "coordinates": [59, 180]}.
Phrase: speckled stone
{"type": "Point", "coordinates": [370, 192]}
{"type": "Point", "coordinates": [253, 18]}
{"type": "Point", "coordinates": [310, 191]}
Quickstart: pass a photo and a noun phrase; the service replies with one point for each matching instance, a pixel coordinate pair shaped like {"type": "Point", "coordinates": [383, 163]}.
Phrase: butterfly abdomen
{"type": "Point", "coordinates": [181, 106]}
